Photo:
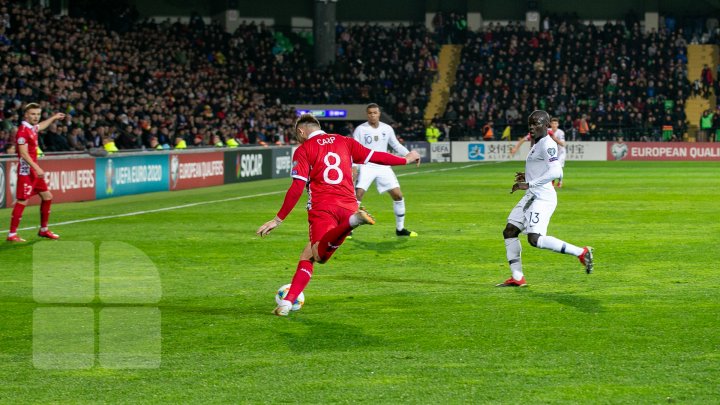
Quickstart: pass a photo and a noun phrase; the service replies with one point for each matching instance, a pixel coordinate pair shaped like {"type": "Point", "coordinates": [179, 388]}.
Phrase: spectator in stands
{"type": "Point", "coordinates": [706, 126]}
{"type": "Point", "coordinates": [667, 129]}
{"type": "Point", "coordinates": [76, 140]}
{"type": "Point", "coordinates": [716, 125]}
{"type": "Point", "coordinates": [583, 127]}
{"type": "Point", "coordinates": [488, 133]}
{"type": "Point", "coordinates": [432, 133]}
{"type": "Point", "coordinates": [129, 138]}
{"type": "Point", "coordinates": [109, 145]}
{"type": "Point", "coordinates": [706, 77]}
{"type": "Point", "coordinates": [4, 139]}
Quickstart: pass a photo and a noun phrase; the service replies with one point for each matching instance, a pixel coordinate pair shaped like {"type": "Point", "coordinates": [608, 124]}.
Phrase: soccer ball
{"type": "Point", "coordinates": [282, 293]}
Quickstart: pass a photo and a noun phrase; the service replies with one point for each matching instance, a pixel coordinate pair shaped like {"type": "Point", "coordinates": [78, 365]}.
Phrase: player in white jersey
{"type": "Point", "coordinates": [558, 135]}
{"type": "Point", "coordinates": [377, 135]}
{"type": "Point", "coordinates": [532, 214]}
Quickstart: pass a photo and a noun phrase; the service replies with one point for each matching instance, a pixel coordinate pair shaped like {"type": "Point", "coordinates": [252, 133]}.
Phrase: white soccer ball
{"type": "Point", "coordinates": [282, 293]}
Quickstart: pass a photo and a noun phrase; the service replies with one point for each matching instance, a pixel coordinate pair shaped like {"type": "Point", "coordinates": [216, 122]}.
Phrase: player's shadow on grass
{"type": "Point", "coordinates": [308, 336]}
{"type": "Point", "coordinates": [382, 246]}
{"type": "Point", "coordinates": [379, 279]}
{"type": "Point", "coordinates": [582, 304]}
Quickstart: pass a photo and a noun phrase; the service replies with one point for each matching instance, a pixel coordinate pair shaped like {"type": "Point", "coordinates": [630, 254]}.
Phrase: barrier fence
{"type": "Point", "coordinates": [83, 178]}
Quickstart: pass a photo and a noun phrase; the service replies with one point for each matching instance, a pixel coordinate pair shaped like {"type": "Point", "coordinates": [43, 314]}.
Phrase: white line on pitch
{"type": "Point", "coordinates": [177, 207]}
{"type": "Point", "coordinates": [131, 214]}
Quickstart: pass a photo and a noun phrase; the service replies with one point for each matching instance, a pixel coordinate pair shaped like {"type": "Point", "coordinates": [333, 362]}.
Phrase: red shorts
{"type": "Point", "coordinates": [323, 219]}
{"type": "Point", "coordinates": [28, 186]}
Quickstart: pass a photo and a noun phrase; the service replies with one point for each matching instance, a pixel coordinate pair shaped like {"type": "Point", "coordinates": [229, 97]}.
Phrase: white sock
{"type": "Point", "coordinates": [10, 234]}
{"type": "Point", "coordinates": [43, 229]}
{"type": "Point", "coordinates": [556, 245]}
{"type": "Point", "coordinates": [513, 250]}
{"type": "Point", "coordinates": [354, 222]}
{"type": "Point", "coordinates": [399, 208]}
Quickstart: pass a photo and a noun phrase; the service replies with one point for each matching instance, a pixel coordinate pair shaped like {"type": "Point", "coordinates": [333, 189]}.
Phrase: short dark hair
{"type": "Point", "coordinates": [306, 119]}
{"type": "Point", "coordinates": [555, 119]}
{"type": "Point", "coordinates": [30, 106]}
{"type": "Point", "coordinates": [372, 105]}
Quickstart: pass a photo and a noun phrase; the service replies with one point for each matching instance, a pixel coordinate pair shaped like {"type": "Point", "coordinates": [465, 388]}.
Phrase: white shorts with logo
{"type": "Point", "coordinates": [383, 176]}
{"type": "Point", "coordinates": [531, 215]}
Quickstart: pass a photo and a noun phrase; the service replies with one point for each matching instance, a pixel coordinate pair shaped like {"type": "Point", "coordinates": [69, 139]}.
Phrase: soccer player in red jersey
{"type": "Point", "coordinates": [31, 178]}
{"type": "Point", "coordinates": [323, 165]}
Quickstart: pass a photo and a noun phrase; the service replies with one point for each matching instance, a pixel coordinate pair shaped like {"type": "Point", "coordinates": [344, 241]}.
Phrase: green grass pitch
{"type": "Point", "coordinates": [419, 320]}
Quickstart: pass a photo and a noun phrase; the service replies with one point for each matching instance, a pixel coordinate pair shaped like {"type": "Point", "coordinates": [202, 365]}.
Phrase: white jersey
{"type": "Point", "coordinates": [541, 168]}
{"type": "Point", "coordinates": [378, 138]}
{"type": "Point", "coordinates": [559, 134]}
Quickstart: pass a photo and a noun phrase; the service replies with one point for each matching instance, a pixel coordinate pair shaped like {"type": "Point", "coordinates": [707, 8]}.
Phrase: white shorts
{"type": "Point", "coordinates": [383, 176]}
{"type": "Point", "coordinates": [531, 215]}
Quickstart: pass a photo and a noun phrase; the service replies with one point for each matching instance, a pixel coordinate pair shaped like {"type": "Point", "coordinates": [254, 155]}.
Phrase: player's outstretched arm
{"type": "Point", "coordinates": [44, 124]}
{"type": "Point", "coordinates": [388, 159]}
{"type": "Point", "coordinates": [520, 177]}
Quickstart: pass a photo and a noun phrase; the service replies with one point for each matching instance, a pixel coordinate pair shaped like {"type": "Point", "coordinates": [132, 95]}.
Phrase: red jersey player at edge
{"type": "Point", "coordinates": [31, 177]}
{"type": "Point", "coordinates": [323, 164]}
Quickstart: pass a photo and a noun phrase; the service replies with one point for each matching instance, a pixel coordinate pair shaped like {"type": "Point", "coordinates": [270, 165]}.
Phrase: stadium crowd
{"type": "Point", "coordinates": [602, 82]}
{"type": "Point", "coordinates": [170, 84]}
{"type": "Point", "coordinates": [157, 84]}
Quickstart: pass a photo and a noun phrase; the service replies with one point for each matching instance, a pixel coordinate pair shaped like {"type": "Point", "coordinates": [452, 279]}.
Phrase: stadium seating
{"type": "Point", "coordinates": [626, 82]}
{"type": "Point", "coordinates": [162, 82]}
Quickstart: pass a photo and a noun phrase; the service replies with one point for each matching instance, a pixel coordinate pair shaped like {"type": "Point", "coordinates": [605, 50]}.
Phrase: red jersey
{"type": "Point", "coordinates": [26, 135]}
{"type": "Point", "coordinates": [324, 162]}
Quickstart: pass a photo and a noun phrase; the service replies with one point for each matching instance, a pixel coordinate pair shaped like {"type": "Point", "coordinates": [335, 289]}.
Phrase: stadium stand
{"type": "Point", "coordinates": [624, 82]}
{"type": "Point", "coordinates": [164, 81]}
{"type": "Point", "coordinates": [142, 83]}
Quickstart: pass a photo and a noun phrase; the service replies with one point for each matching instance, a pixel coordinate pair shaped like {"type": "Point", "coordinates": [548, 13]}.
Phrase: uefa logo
{"type": "Point", "coordinates": [619, 150]}
{"type": "Point", "coordinates": [12, 179]}
{"type": "Point", "coordinates": [109, 174]}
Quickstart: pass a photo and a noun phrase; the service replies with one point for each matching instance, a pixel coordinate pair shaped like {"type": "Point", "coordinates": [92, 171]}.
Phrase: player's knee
{"type": "Point", "coordinates": [511, 231]}
{"type": "Point", "coordinates": [533, 239]}
{"type": "Point", "coordinates": [314, 254]}
{"type": "Point", "coordinates": [319, 259]}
